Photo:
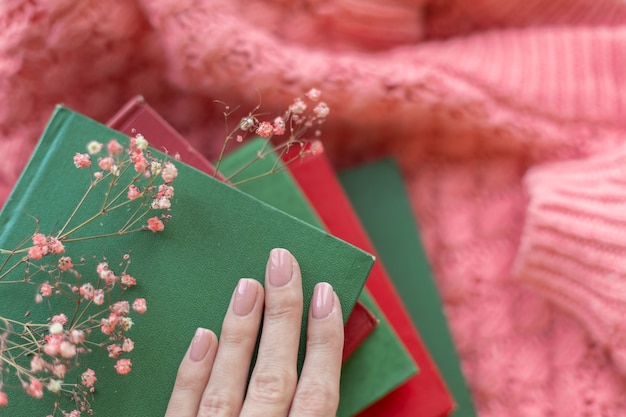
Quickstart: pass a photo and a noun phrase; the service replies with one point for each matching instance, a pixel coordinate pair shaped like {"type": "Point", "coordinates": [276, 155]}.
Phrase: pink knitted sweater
{"type": "Point", "coordinates": [481, 101]}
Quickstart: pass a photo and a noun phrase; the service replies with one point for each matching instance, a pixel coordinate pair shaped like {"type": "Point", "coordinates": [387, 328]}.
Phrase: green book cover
{"type": "Point", "coordinates": [187, 272]}
{"type": "Point", "coordinates": [377, 194]}
{"type": "Point", "coordinates": [380, 364]}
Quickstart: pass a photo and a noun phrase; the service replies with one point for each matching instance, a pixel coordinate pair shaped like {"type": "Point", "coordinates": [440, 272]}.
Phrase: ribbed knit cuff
{"type": "Point", "coordinates": [573, 246]}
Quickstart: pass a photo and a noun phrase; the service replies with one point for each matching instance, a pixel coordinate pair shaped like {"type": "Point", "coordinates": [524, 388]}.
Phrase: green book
{"type": "Point", "coordinates": [381, 363]}
{"type": "Point", "coordinates": [187, 272]}
{"type": "Point", "coordinates": [377, 194]}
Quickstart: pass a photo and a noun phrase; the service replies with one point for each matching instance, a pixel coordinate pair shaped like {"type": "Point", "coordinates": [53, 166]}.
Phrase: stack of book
{"type": "Point", "coordinates": [399, 357]}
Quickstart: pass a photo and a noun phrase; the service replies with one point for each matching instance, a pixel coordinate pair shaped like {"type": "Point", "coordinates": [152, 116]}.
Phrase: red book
{"type": "Point", "coordinates": [138, 117]}
{"type": "Point", "coordinates": [425, 394]}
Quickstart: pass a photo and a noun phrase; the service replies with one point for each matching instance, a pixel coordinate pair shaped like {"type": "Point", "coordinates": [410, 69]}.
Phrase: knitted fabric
{"type": "Point", "coordinates": [468, 95]}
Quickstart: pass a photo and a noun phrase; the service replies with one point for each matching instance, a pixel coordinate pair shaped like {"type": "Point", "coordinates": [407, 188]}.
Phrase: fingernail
{"type": "Point", "coordinates": [245, 297]}
{"type": "Point", "coordinates": [280, 267]}
{"type": "Point", "coordinates": [200, 344]}
{"type": "Point", "coordinates": [323, 300]}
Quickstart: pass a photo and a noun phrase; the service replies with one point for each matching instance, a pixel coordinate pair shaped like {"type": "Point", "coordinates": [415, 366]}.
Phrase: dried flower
{"type": "Point", "coordinates": [88, 378]}
{"type": "Point", "coordinates": [123, 366]}
{"type": "Point", "coordinates": [155, 224]}
{"type": "Point", "coordinates": [139, 305]}
{"type": "Point", "coordinates": [94, 147]}
{"type": "Point", "coordinates": [82, 160]}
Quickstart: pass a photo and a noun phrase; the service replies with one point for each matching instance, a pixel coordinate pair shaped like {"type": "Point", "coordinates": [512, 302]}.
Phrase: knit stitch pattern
{"type": "Point", "coordinates": [468, 95]}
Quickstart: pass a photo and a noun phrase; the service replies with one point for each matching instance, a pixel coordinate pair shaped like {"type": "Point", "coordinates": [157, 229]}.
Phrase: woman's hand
{"type": "Point", "coordinates": [212, 377]}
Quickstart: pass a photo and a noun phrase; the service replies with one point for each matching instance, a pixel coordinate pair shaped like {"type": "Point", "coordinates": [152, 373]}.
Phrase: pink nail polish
{"type": "Point", "coordinates": [280, 267]}
{"type": "Point", "coordinates": [200, 344]}
{"type": "Point", "coordinates": [245, 296]}
{"type": "Point", "coordinates": [323, 300]}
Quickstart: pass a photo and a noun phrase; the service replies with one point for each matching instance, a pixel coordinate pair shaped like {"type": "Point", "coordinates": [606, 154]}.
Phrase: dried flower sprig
{"type": "Point", "coordinates": [282, 135]}
{"type": "Point", "coordinates": [41, 355]}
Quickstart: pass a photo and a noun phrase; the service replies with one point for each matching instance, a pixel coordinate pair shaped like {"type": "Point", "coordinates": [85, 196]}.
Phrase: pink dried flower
{"type": "Point", "coordinates": [321, 110]}
{"type": "Point", "coordinates": [59, 370]}
{"type": "Point", "coordinates": [139, 305]}
{"type": "Point", "coordinates": [133, 192]}
{"type": "Point", "coordinates": [39, 239]}
{"type": "Point", "coordinates": [107, 326]}
{"type": "Point", "coordinates": [298, 106]}
{"type": "Point", "coordinates": [169, 172]}
{"type": "Point", "coordinates": [67, 349]}
{"type": "Point", "coordinates": [128, 345]}
{"type": "Point", "coordinates": [265, 130]}
{"type": "Point", "coordinates": [52, 344]}
{"type": "Point", "coordinates": [121, 308]}
{"type": "Point", "coordinates": [82, 160]}
{"type": "Point", "coordinates": [55, 246]}
{"type": "Point", "coordinates": [161, 204]}
{"type": "Point", "coordinates": [4, 400]}
{"type": "Point", "coordinates": [65, 263]}
{"type": "Point", "coordinates": [88, 378]}
{"type": "Point", "coordinates": [128, 280]}
{"type": "Point", "coordinates": [87, 291]}
{"type": "Point", "coordinates": [59, 318]}
{"type": "Point", "coordinates": [74, 413]}
{"type": "Point", "coordinates": [114, 147]}
{"type": "Point", "coordinates": [97, 175]}
{"type": "Point", "coordinates": [279, 126]}
{"type": "Point", "coordinates": [77, 336]}
{"type": "Point", "coordinates": [35, 253]}
{"type": "Point", "coordinates": [37, 364]}
{"type": "Point", "coordinates": [106, 164]}
{"type": "Point", "coordinates": [114, 351]}
{"type": "Point", "coordinates": [313, 94]}
{"type": "Point", "coordinates": [45, 289]}
{"type": "Point", "coordinates": [35, 388]}
{"type": "Point", "coordinates": [165, 191]}
{"type": "Point", "coordinates": [98, 297]}
{"type": "Point", "coordinates": [316, 148]}
{"type": "Point", "coordinates": [123, 366]}
{"type": "Point", "coordinates": [155, 224]}
{"type": "Point", "coordinates": [102, 266]}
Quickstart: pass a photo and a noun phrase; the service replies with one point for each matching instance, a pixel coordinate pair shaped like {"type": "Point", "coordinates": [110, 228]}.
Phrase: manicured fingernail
{"type": "Point", "coordinates": [280, 267]}
{"type": "Point", "coordinates": [323, 300]}
{"type": "Point", "coordinates": [200, 344]}
{"type": "Point", "coordinates": [245, 296]}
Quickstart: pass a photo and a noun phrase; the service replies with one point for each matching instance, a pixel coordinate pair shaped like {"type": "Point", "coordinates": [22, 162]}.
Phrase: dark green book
{"type": "Point", "coordinates": [217, 234]}
{"type": "Point", "coordinates": [377, 194]}
{"type": "Point", "coordinates": [381, 363]}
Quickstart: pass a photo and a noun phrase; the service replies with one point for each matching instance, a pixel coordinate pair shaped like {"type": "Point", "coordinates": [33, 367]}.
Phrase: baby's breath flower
{"type": "Point", "coordinates": [298, 106]}
{"type": "Point", "coordinates": [321, 110]}
{"type": "Point", "coordinates": [54, 385]}
{"type": "Point", "coordinates": [155, 224]}
{"type": "Point", "coordinates": [82, 160]}
{"type": "Point", "coordinates": [94, 147]}
{"type": "Point", "coordinates": [140, 142]}
{"type": "Point", "coordinates": [55, 328]}
{"type": "Point", "coordinates": [123, 366]}
{"type": "Point", "coordinates": [313, 94]}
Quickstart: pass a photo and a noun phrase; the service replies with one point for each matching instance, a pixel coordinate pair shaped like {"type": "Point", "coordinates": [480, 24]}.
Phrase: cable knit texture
{"type": "Point", "coordinates": [467, 94]}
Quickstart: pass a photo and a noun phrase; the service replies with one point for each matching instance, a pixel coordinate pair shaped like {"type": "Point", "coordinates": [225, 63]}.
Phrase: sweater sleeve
{"type": "Point", "coordinates": [573, 246]}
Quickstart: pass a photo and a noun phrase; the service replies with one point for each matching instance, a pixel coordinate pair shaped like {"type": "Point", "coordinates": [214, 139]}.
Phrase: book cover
{"type": "Point", "coordinates": [137, 116]}
{"type": "Point", "coordinates": [381, 363]}
{"type": "Point", "coordinates": [378, 195]}
{"type": "Point", "coordinates": [186, 273]}
{"type": "Point", "coordinates": [425, 394]}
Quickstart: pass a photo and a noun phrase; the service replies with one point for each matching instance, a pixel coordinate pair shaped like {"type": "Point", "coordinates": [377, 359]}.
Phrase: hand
{"type": "Point", "coordinates": [212, 378]}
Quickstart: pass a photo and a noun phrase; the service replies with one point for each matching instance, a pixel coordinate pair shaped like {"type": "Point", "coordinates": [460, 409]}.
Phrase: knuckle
{"type": "Point", "coordinates": [325, 339]}
{"type": "Point", "coordinates": [272, 386]}
{"type": "Point", "coordinates": [283, 309]}
{"type": "Point", "coordinates": [188, 381]}
{"type": "Point", "coordinates": [316, 400]}
{"type": "Point", "coordinates": [216, 405]}
{"type": "Point", "coordinates": [234, 335]}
